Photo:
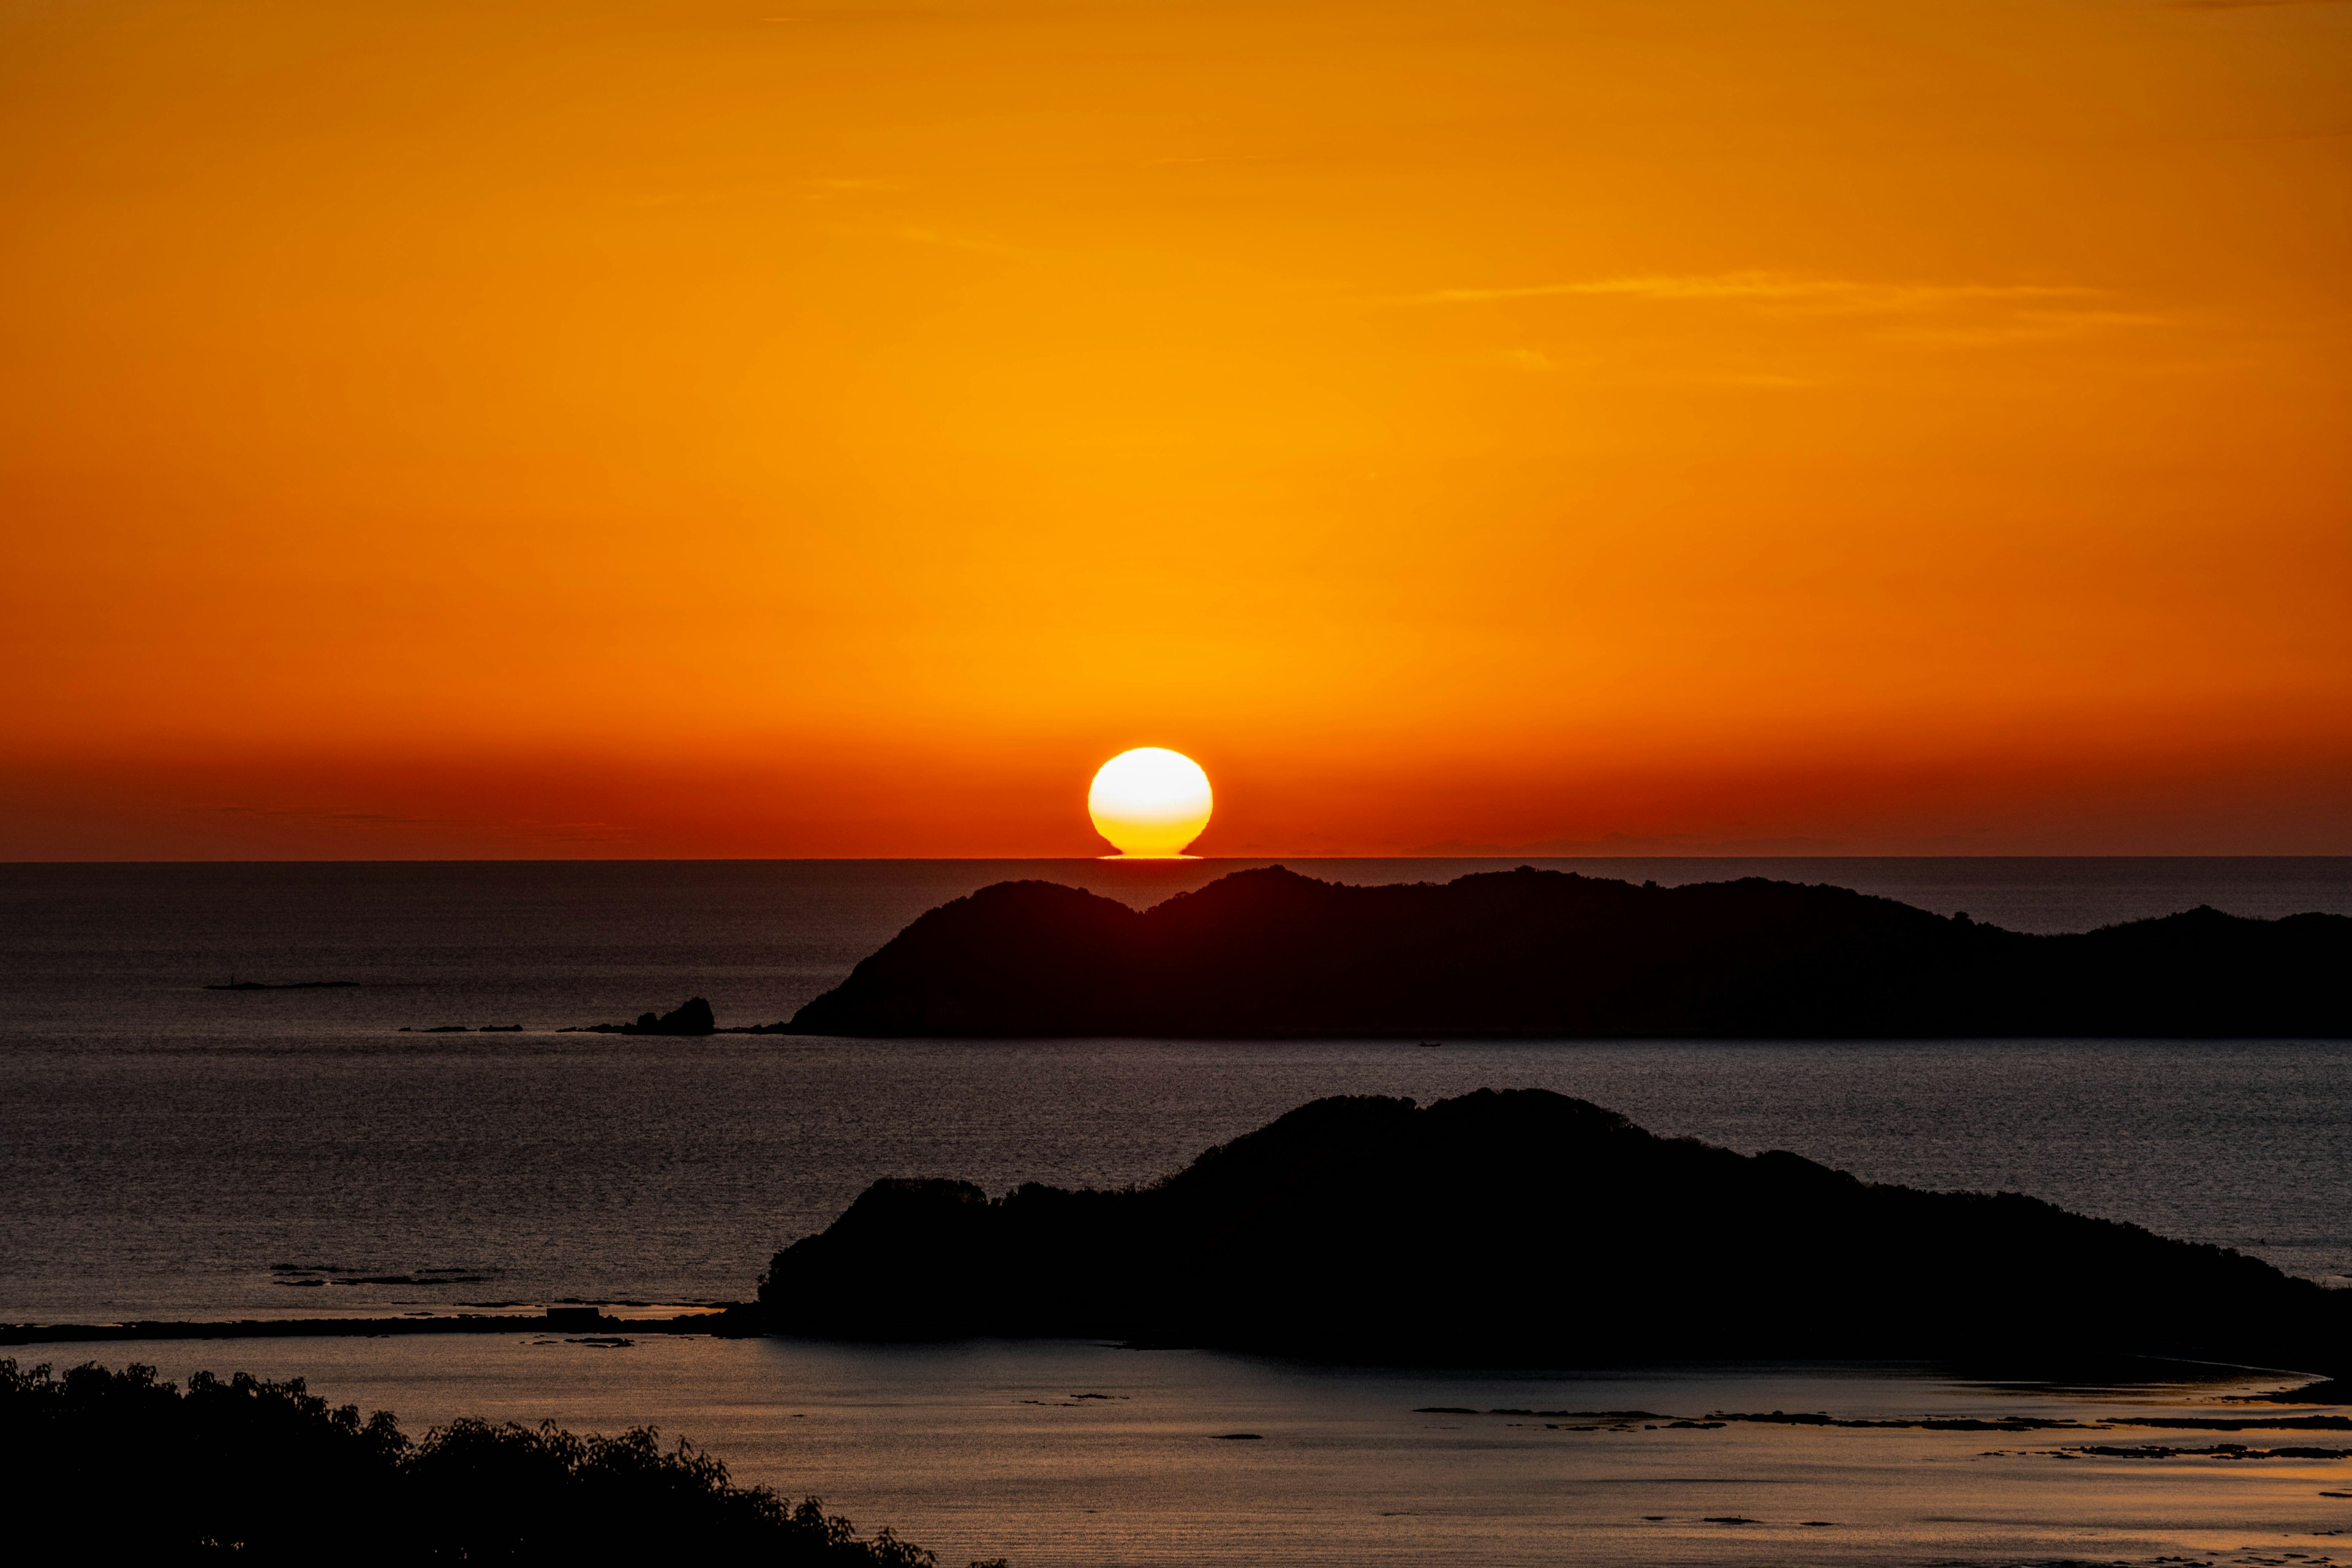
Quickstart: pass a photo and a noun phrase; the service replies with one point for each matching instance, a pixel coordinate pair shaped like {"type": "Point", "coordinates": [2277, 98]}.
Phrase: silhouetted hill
{"type": "Point", "coordinates": [1528, 1228]}
{"type": "Point", "coordinates": [1270, 954]}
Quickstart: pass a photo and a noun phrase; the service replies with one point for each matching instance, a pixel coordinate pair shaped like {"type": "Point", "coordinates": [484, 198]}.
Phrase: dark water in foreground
{"type": "Point", "coordinates": [169, 1151]}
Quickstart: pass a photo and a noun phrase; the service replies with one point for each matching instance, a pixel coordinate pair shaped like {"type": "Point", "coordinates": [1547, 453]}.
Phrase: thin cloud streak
{"type": "Point", "coordinates": [1834, 293]}
{"type": "Point", "coordinates": [2025, 327]}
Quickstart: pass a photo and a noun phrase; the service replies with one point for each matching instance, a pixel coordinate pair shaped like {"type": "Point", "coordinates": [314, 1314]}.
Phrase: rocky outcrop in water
{"type": "Point", "coordinates": [1528, 1228]}
{"type": "Point", "coordinates": [692, 1017]}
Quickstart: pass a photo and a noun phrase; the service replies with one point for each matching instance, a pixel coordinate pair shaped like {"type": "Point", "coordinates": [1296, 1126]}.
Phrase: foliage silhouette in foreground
{"type": "Point", "coordinates": [121, 1466]}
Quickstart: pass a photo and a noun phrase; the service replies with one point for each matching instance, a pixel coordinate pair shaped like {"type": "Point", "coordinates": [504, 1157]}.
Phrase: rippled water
{"type": "Point", "coordinates": [176, 1180]}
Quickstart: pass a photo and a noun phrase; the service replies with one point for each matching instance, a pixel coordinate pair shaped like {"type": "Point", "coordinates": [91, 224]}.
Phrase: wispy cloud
{"type": "Point", "coordinates": [948, 239]}
{"type": "Point", "coordinates": [1949, 314]}
{"type": "Point", "coordinates": [2022, 327]}
{"type": "Point", "coordinates": [820, 190]}
{"type": "Point", "coordinates": [855, 16]}
{"type": "Point", "coordinates": [1526, 358]}
{"type": "Point", "coordinates": [1223, 158]}
{"type": "Point", "coordinates": [1765, 381]}
{"type": "Point", "coordinates": [325, 814]}
{"type": "Point", "coordinates": [330, 817]}
{"type": "Point", "coordinates": [2248, 5]}
{"type": "Point", "coordinates": [1834, 293]}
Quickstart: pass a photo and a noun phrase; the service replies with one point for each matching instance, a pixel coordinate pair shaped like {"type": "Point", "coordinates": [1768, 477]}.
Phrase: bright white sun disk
{"type": "Point", "coordinates": [1150, 801]}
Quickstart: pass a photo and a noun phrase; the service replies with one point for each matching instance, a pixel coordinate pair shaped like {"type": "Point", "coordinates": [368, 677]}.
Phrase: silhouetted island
{"type": "Point", "coordinates": [1269, 953]}
{"type": "Point", "coordinates": [1524, 1228]}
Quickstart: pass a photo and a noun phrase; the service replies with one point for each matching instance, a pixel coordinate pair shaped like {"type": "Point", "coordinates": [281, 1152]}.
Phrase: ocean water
{"type": "Point", "coordinates": [176, 1179]}
{"type": "Point", "coordinates": [169, 1151]}
{"type": "Point", "coordinates": [1065, 1455]}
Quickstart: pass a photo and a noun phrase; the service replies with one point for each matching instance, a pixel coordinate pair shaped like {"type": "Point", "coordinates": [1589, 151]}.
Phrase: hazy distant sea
{"type": "Point", "coordinates": [169, 1151]}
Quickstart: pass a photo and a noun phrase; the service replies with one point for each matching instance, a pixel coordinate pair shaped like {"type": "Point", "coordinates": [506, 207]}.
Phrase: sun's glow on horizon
{"type": "Point", "coordinates": [1150, 801]}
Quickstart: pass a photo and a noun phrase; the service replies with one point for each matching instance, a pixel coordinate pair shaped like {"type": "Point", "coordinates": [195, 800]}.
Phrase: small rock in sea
{"type": "Point", "coordinates": [692, 1017]}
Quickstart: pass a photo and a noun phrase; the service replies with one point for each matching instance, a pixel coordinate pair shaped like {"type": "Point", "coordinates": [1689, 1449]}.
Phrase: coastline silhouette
{"type": "Point", "coordinates": [1523, 1227]}
{"type": "Point", "coordinates": [1269, 953]}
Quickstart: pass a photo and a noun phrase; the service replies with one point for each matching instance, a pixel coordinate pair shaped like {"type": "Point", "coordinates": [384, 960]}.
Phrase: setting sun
{"type": "Point", "coordinates": [561, 564]}
{"type": "Point", "coordinates": [1150, 801]}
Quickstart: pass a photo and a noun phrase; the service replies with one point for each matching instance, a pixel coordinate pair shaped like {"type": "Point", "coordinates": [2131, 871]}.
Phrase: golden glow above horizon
{"type": "Point", "coordinates": [1149, 801]}
{"type": "Point", "coordinates": [701, 427]}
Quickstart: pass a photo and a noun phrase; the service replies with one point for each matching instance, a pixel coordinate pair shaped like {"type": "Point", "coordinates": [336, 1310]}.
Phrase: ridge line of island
{"type": "Point", "coordinates": [1527, 954]}
{"type": "Point", "coordinates": [1267, 954]}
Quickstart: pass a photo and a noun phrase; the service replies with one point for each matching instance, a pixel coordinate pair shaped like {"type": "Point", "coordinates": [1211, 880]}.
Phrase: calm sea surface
{"type": "Point", "coordinates": [169, 1151]}
{"type": "Point", "coordinates": [1064, 1455]}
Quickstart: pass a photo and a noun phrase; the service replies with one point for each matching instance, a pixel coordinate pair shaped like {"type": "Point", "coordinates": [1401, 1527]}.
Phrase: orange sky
{"type": "Point", "coordinates": [494, 428]}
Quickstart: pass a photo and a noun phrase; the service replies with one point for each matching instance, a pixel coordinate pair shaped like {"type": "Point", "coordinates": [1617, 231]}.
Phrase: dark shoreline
{"type": "Point", "coordinates": [726, 1323]}
{"type": "Point", "coordinates": [737, 1322]}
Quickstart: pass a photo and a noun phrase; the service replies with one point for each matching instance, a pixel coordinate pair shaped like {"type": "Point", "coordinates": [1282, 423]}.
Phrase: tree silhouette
{"type": "Point", "coordinates": [120, 1465]}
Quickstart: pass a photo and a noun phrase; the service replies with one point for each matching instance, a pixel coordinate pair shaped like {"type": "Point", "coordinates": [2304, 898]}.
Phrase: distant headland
{"type": "Point", "coordinates": [1524, 1228]}
{"type": "Point", "coordinates": [1269, 953]}
{"type": "Point", "coordinates": [692, 1017]}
